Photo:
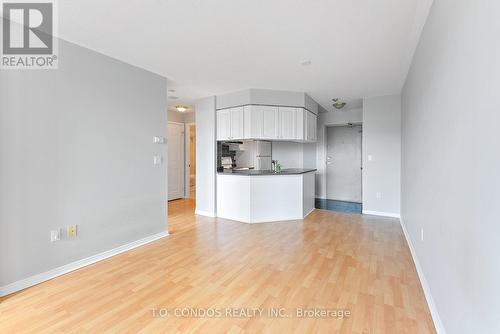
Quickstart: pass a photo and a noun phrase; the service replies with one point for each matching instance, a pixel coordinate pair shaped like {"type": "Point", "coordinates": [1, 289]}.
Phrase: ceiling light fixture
{"type": "Point", "coordinates": [337, 104]}
{"type": "Point", "coordinates": [171, 90]}
{"type": "Point", "coordinates": [305, 63]}
{"type": "Point", "coordinates": [181, 108]}
{"type": "Point", "coordinates": [173, 97]}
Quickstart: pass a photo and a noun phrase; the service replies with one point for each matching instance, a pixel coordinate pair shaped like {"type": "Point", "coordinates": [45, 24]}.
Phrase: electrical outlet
{"type": "Point", "coordinates": [72, 231]}
{"type": "Point", "coordinates": [378, 195]}
{"type": "Point", "coordinates": [55, 235]}
{"type": "Point", "coordinates": [421, 234]}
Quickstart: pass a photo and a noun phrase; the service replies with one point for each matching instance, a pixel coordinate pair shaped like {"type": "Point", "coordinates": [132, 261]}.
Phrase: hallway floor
{"type": "Point", "coordinates": [341, 206]}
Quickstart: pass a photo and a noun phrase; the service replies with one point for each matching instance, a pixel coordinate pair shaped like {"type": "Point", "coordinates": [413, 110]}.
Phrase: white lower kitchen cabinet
{"type": "Point", "coordinates": [265, 198]}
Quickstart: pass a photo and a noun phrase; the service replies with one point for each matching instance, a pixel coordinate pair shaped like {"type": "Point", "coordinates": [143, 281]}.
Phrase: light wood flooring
{"type": "Point", "coordinates": [330, 261]}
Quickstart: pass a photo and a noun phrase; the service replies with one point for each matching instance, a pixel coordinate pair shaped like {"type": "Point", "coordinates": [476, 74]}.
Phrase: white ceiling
{"type": "Point", "coordinates": [357, 48]}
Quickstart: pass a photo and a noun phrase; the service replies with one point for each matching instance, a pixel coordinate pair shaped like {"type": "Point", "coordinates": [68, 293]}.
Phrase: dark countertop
{"type": "Point", "coordinates": [252, 172]}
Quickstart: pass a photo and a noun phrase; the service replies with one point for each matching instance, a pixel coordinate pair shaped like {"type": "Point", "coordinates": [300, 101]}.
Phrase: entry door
{"type": "Point", "coordinates": [343, 163]}
{"type": "Point", "coordinates": [175, 160]}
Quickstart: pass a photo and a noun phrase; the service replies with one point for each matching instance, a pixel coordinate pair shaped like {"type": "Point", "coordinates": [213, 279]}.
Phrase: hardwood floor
{"type": "Point", "coordinates": [335, 261]}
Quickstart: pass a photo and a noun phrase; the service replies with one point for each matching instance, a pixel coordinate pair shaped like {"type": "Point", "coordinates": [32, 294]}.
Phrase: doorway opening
{"type": "Point", "coordinates": [343, 169]}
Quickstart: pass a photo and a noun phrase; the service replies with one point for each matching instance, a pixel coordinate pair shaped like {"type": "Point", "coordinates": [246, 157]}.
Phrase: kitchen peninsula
{"type": "Point", "coordinates": [259, 131]}
{"type": "Point", "coordinates": [255, 196]}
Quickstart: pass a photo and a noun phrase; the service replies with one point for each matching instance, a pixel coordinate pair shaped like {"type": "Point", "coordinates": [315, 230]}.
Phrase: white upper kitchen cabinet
{"type": "Point", "coordinates": [311, 126]}
{"type": "Point", "coordinates": [270, 129]}
{"type": "Point", "coordinates": [230, 124]}
{"type": "Point", "coordinates": [301, 123]}
{"type": "Point", "coordinates": [261, 122]}
{"type": "Point", "coordinates": [224, 124]}
{"type": "Point", "coordinates": [254, 122]}
{"type": "Point", "coordinates": [287, 118]}
{"type": "Point", "coordinates": [278, 123]}
{"type": "Point", "coordinates": [237, 122]}
{"type": "Point", "coordinates": [306, 127]}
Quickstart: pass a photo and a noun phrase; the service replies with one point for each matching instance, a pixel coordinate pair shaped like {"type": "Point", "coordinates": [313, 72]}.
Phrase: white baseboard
{"type": "Point", "coordinates": [425, 286]}
{"type": "Point", "coordinates": [204, 213]}
{"type": "Point", "coordinates": [382, 214]}
{"type": "Point", "coordinates": [39, 278]}
{"type": "Point", "coordinates": [309, 213]}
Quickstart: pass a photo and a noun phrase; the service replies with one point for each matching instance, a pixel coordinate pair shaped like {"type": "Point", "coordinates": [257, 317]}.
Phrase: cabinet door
{"type": "Point", "coordinates": [237, 122]}
{"type": "Point", "coordinates": [315, 128]}
{"type": "Point", "coordinates": [270, 127]}
{"type": "Point", "coordinates": [254, 122]}
{"type": "Point", "coordinates": [287, 123]}
{"type": "Point", "coordinates": [301, 122]}
{"type": "Point", "coordinates": [311, 127]}
{"type": "Point", "coordinates": [224, 124]}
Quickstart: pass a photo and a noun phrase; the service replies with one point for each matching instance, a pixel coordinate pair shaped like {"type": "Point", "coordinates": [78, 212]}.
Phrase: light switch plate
{"type": "Point", "coordinates": [159, 140]}
{"type": "Point", "coordinates": [55, 235]}
{"type": "Point", "coordinates": [157, 160]}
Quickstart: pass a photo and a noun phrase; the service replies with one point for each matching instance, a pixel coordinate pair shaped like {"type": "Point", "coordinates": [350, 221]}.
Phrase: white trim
{"type": "Point", "coordinates": [187, 160]}
{"type": "Point", "coordinates": [204, 213]}
{"type": "Point", "coordinates": [382, 214]}
{"type": "Point", "coordinates": [438, 324]}
{"type": "Point", "coordinates": [309, 213]}
{"type": "Point", "coordinates": [42, 277]}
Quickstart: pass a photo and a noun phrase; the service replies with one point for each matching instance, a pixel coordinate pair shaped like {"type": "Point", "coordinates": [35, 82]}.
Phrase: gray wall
{"type": "Point", "coordinates": [382, 141]}
{"type": "Point", "coordinates": [205, 156]}
{"type": "Point", "coordinates": [76, 148]}
{"type": "Point", "coordinates": [451, 162]}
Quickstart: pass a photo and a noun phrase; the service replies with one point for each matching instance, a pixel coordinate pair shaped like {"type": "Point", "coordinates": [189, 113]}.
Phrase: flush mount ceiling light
{"type": "Point", "coordinates": [171, 90]}
{"type": "Point", "coordinates": [337, 104]}
{"type": "Point", "coordinates": [173, 97]}
{"type": "Point", "coordinates": [305, 63]}
{"type": "Point", "coordinates": [181, 108]}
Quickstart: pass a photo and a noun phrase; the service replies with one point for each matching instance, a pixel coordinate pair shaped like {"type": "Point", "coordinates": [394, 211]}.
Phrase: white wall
{"type": "Point", "coordinates": [382, 141]}
{"type": "Point", "coordinates": [189, 117]}
{"type": "Point", "coordinates": [324, 120]}
{"type": "Point", "coordinates": [451, 162]}
{"type": "Point", "coordinates": [205, 156]}
{"type": "Point", "coordinates": [289, 154]}
{"type": "Point", "coordinates": [295, 155]}
{"type": "Point", "coordinates": [76, 148]}
{"type": "Point", "coordinates": [266, 97]}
